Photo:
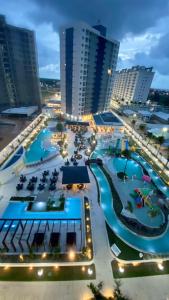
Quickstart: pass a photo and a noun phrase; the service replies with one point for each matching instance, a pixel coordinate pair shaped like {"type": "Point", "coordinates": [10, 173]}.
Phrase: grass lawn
{"type": "Point", "coordinates": [127, 252]}
{"type": "Point", "coordinates": [60, 273]}
{"type": "Point", "coordinates": [140, 270]}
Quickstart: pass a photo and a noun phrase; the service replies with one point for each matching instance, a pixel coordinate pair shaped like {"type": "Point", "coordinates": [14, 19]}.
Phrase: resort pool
{"type": "Point", "coordinates": [133, 168]}
{"type": "Point", "coordinates": [37, 150]}
{"type": "Point", "coordinates": [158, 245]}
{"type": "Point", "coordinates": [17, 210]}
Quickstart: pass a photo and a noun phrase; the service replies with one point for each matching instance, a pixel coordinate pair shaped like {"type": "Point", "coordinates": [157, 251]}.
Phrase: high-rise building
{"type": "Point", "coordinates": [132, 85]}
{"type": "Point", "coordinates": [19, 82]}
{"type": "Point", "coordinates": [88, 63]}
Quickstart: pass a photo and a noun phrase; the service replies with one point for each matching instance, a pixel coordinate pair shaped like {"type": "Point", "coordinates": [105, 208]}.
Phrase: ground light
{"type": "Point", "coordinates": [21, 257]}
{"type": "Point", "coordinates": [160, 266]}
{"type": "Point", "coordinates": [44, 255]}
{"type": "Point", "coordinates": [83, 269]}
{"type": "Point", "coordinates": [90, 271]}
{"type": "Point", "coordinates": [71, 255]}
{"type": "Point", "coordinates": [40, 272]}
{"type": "Point", "coordinates": [121, 269]}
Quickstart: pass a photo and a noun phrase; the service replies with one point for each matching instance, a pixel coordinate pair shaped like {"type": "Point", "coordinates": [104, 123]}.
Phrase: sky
{"type": "Point", "coordinates": [141, 26]}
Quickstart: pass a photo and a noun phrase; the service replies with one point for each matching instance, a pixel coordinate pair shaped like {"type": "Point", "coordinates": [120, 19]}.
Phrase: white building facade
{"type": "Point", "coordinates": [88, 62]}
{"type": "Point", "coordinates": [132, 85]}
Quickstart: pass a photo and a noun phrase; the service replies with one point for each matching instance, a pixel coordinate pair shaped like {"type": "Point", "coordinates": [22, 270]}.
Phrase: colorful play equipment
{"type": "Point", "coordinates": [121, 145]}
{"type": "Point", "coordinates": [142, 197]}
{"type": "Point", "coordinates": [146, 178]}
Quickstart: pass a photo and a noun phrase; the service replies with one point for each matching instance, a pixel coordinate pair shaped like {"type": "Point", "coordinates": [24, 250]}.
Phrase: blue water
{"type": "Point", "coordinates": [159, 245]}
{"type": "Point", "coordinates": [36, 151]}
{"type": "Point", "coordinates": [154, 176]}
{"type": "Point", "coordinates": [17, 210]}
{"type": "Point", "coordinates": [132, 169]}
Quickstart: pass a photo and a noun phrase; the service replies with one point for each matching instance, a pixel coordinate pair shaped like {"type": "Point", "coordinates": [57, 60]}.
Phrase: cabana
{"type": "Point", "coordinates": [75, 175]}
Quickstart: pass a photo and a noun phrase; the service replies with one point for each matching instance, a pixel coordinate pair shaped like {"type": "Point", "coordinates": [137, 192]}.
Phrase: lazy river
{"type": "Point", "coordinates": [155, 245]}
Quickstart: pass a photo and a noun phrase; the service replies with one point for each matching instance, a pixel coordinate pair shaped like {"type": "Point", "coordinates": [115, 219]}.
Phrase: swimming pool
{"type": "Point", "coordinates": [17, 210]}
{"type": "Point", "coordinates": [132, 169]}
{"type": "Point", "coordinates": [36, 150]}
{"type": "Point", "coordinates": [156, 245]}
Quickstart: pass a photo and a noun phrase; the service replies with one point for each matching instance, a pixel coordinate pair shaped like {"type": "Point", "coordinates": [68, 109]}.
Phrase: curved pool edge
{"type": "Point", "coordinates": [140, 243]}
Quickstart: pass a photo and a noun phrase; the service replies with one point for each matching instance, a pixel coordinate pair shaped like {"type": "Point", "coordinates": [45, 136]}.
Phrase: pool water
{"type": "Point", "coordinates": [132, 169]}
{"type": "Point", "coordinates": [18, 210]}
{"type": "Point", "coordinates": [158, 245]}
{"type": "Point", "coordinates": [36, 150]}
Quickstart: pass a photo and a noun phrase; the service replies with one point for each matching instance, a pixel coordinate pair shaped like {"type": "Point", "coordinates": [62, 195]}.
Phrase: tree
{"type": "Point", "coordinates": [59, 127]}
{"type": "Point", "coordinates": [96, 290]}
{"type": "Point", "coordinates": [127, 155]}
{"type": "Point", "coordinates": [149, 135]}
{"type": "Point", "coordinates": [133, 122]}
{"type": "Point", "coordinates": [117, 294]}
{"type": "Point", "coordinates": [142, 127]}
{"type": "Point", "coordinates": [160, 140]}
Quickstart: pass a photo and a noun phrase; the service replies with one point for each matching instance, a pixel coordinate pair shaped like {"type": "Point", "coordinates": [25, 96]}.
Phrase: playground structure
{"type": "Point", "coordinates": [142, 196]}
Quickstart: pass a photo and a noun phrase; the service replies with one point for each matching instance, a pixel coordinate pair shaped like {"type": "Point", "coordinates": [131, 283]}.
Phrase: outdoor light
{"type": "Point", "coordinates": [89, 240]}
{"type": "Point", "coordinates": [21, 257]}
{"type": "Point", "coordinates": [30, 268]}
{"type": "Point", "coordinates": [83, 269]}
{"type": "Point", "coordinates": [160, 266]}
{"type": "Point", "coordinates": [56, 267]}
{"type": "Point", "coordinates": [121, 269]}
{"type": "Point", "coordinates": [90, 271]}
{"type": "Point", "coordinates": [87, 219]}
{"type": "Point", "coordinates": [71, 255]}
{"type": "Point", "coordinates": [6, 268]}
{"type": "Point", "coordinates": [40, 272]}
{"type": "Point", "coordinates": [44, 255]}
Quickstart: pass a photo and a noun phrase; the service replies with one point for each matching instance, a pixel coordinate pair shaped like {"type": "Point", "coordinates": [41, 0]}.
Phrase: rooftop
{"type": "Point", "coordinates": [162, 115]}
{"type": "Point", "coordinates": [21, 110]}
{"type": "Point", "coordinates": [75, 175]}
{"type": "Point", "coordinates": [77, 123]}
{"type": "Point", "coordinates": [106, 119]}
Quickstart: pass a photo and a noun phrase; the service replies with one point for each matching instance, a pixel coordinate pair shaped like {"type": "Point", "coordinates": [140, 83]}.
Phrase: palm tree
{"type": "Point", "coordinates": [149, 135]}
{"type": "Point", "coordinates": [96, 290]}
{"type": "Point", "coordinates": [160, 140]}
{"type": "Point", "coordinates": [59, 127]}
{"type": "Point", "coordinates": [142, 127]}
{"type": "Point", "coordinates": [133, 122]}
{"type": "Point", "coordinates": [127, 155]}
{"type": "Point", "coordinates": [117, 294]}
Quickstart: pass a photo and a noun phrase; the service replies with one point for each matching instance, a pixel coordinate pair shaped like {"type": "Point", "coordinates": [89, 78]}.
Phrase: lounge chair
{"type": "Point", "coordinates": [54, 239]}
{"type": "Point", "coordinates": [71, 240]}
{"type": "Point", "coordinates": [38, 239]}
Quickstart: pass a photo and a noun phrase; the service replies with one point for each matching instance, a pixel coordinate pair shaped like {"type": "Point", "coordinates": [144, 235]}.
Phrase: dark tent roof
{"type": "Point", "coordinates": [77, 123]}
{"type": "Point", "coordinates": [74, 175]}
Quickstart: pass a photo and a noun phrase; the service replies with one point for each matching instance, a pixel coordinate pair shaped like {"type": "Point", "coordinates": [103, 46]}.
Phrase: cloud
{"type": "Point", "coordinates": [52, 70]}
{"type": "Point", "coordinates": [141, 26]}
